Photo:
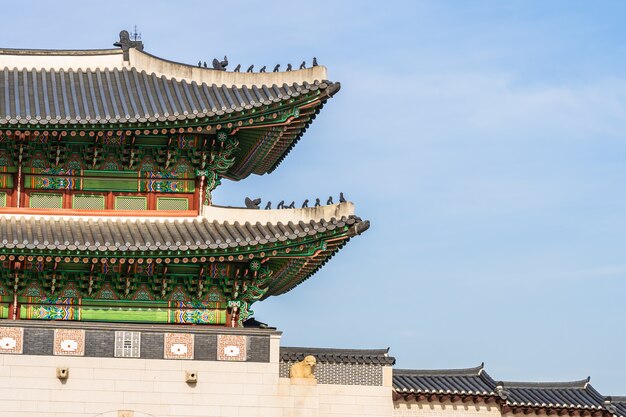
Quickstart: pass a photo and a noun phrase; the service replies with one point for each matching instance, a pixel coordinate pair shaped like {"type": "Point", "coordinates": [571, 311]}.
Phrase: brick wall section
{"type": "Point", "coordinates": [258, 349]}
{"type": "Point", "coordinates": [342, 373]}
{"type": "Point", "coordinates": [98, 343]}
{"type": "Point", "coordinates": [151, 345]}
{"type": "Point", "coordinates": [205, 347]}
{"type": "Point", "coordinates": [38, 341]}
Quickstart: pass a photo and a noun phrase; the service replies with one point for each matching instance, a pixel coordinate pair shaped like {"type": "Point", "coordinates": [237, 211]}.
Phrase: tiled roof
{"type": "Point", "coordinates": [345, 356]}
{"type": "Point", "coordinates": [117, 235]}
{"type": "Point", "coordinates": [616, 405]}
{"type": "Point", "coordinates": [469, 381]}
{"type": "Point", "coordinates": [61, 97]}
{"type": "Point", "coordinates": [576, 394]}
{"type": "Point", "coordinates": [475, 382]}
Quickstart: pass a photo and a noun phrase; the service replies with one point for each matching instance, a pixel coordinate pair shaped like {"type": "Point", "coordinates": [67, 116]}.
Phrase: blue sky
{"type": "Point", "coordinates": [485, 141]}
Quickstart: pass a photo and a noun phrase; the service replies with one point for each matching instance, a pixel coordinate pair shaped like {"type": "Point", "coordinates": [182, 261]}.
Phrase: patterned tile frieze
{"type": "Point", "coordinates": [127, 344]}
{"type": "Point", "coordinates": [69, 342]}
{"type": "Point", "coordinates": [342, 373]}
{"type": "Point", "coordinates": [133, 344]}
{"type": "Point", "coordinates": [178, 346]}
{"type": "Point", "coordinates": [231, 347]}
{"type": "Point", "coordinates": [11, 339]}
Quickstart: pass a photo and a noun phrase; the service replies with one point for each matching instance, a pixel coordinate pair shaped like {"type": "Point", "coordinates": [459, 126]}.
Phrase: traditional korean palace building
{"type": "Point", "coordinates": [125, 290]}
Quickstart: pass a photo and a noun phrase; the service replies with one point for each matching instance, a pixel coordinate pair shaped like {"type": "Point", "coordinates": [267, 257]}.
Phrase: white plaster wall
{"type": "Point", "coordinates": [446, 409]}
{"type": "Point", "coordinates": [114, 387]}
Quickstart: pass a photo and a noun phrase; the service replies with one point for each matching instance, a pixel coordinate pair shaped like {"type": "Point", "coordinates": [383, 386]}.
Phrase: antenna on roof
{"type": "Point", "coordinates": [136, 36]}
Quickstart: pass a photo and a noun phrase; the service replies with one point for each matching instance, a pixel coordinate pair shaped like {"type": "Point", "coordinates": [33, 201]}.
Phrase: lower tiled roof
{"type": "Point", "coordinates": [118, 235]}
{"type": "Point", "coordinates": [469, 381]}
{"type": "Point", "coordinates": [616, 405]}
{"type": "Point", "coordinates": [571, 397]}
{"type": "Point", "coordinates": [576, 394]}
{"type": "Point", "coordinates": [345, 356]}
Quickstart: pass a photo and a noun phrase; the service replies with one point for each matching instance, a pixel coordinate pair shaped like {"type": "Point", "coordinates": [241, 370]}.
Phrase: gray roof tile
{"type": "Point", "coordinates": [52, 97]}
{"type": "Point", "coordinates": [347, 356]}
{"type": "Point", "coordinates": [118, 235]}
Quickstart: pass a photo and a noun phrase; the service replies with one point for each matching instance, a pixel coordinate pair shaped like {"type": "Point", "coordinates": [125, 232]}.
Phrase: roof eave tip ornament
{"type": "Point", "coordinates": [126, 43]}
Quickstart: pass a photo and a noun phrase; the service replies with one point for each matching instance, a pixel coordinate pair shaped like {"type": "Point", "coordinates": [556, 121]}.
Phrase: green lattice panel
{"type": "Point", "coordinates": [3, 199]}
{"type": "Point", "coordinates": [131, 203]}
{"type": "Point", "coordinates": [46, 200]}
{"type": "Point", "coordinates": [172, 203]}
{"type": "Point", "coordinates": [88, 202]}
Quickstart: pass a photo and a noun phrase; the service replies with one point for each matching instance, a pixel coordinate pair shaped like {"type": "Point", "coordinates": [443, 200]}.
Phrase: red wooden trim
{"type": "Point", "coordinates": [102, 213]}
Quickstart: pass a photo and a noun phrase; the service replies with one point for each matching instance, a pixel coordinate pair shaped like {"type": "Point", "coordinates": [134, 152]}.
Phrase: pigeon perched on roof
{"type": "Point", "coordinates": [237, 68]}
{"type": "Point", "coordinates": [281, 205]}
{"type": "Point", "coordinates": [200, 63]}
{"type": "Point", "coordinates": [305, 204]}
{"type": "Point", "coordinates": [205, 65]}
{"type": "Point", "coordinates": [250, 68]}
{"type": "Point", "coordinates": [253, 204]}
{"type": "Point", "coordinates": [268, 206]}
{"type": "Point", "coordinates": [317, 202]}
{"type": "Point", "coordinates": [262, 68]}
{"type": "Point", "coordinates": [329, 201]}
{"type": "Point", "coordinates": [292, 205]}
{"type": "Point", "coordinates": [303, 65]}
{"type": "Point", "coordinates": [289, 67]}
{"type": "Point", "coordinates": [314, 62]}
{"type": "Point", "coordinates": [341, 198]}
{"type": "Point", "coordinates": [276, 68]}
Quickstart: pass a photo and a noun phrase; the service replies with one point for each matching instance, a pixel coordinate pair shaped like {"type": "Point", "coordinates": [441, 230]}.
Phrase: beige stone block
{"type": "Point", "coordinates": [229, 411]}
{"type": "Point", "coordinates": [343, 409]}
{"type": "Point", "coordinates": [171, 376]}
{"type": "Point", "coordinates": [94, 385]}
{"type": "Point", "coordinates": [306, 401]}
{"type": "Point", "coordinates": [276, 401]}
{"type": "Point", "coordinates": [260, 389]}
{"type": "Point", "coordinates": [94, 408]}
{"type": "Point", "coordinates": [166, 364]}
{"type": "Point", "coordinates": [378, 410]}
{"type": "Point", "coordinates": [193, 410]}
{"type": "Point", "coordinates": [123, 363]}
{"type": "Point", "coordinates": [275, 348]}
{"type": "Point", "coordinates": [24, 394]}
{"type": "Point", "coordinates": [28, 360]}
{"type": "Point", "coordinates": [339, 399]}
{"type": "Point", "coordinates": [301, 412]}
{"type": "Point", "coordinates": [385, 400]}
{"type": "Point", "coordinates": [356, 390]}
{"type": "Point", "coordinates": [142, 398]}
{"type": "Point", "coordinates": [61, 406]}
{"type": "Point", "coordinates": [10, 407]}
{"type": "Point", "coordinates": [271, 379]}
{"type": "Point", "coordinates": [157, 410]}
{"type": "Point", "coordinates": [301, 391]}
{"type": "Point", "coordinates": [117, 374]}
{"type": "Point", "coordinates": [264, 368]}
{"type": "Point", "coordinates": [270, 412]}
{"type": "Point", "coordinates": [133, 386]}
{"type": "Point", "coordinates": [254, 378]}
{"type": "Point", "coordinates": [387, 376]}
{"type": "Point", "coordinates": [223, 367]}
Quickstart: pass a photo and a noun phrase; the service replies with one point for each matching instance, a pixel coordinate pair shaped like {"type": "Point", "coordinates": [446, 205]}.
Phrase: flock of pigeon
{"type": "Point", "coordinates": [221, 66]}
{"type": "Point", "coordinates": [256, 203]}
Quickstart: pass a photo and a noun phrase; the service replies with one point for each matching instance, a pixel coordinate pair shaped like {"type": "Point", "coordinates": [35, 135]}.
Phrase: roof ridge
{"type": "Point", "coordinates": [339, 351]}
{"type": "Point", "coordinates": [616, 399]}
{"type": "Point", "coordinates": [581, 384]}
{"type": "Point", "coordinates": [476, 371]}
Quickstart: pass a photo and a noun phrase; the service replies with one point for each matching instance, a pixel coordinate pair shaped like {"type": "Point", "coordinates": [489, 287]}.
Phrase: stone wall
{"type": "Point", "coordinates": [155, 383]}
